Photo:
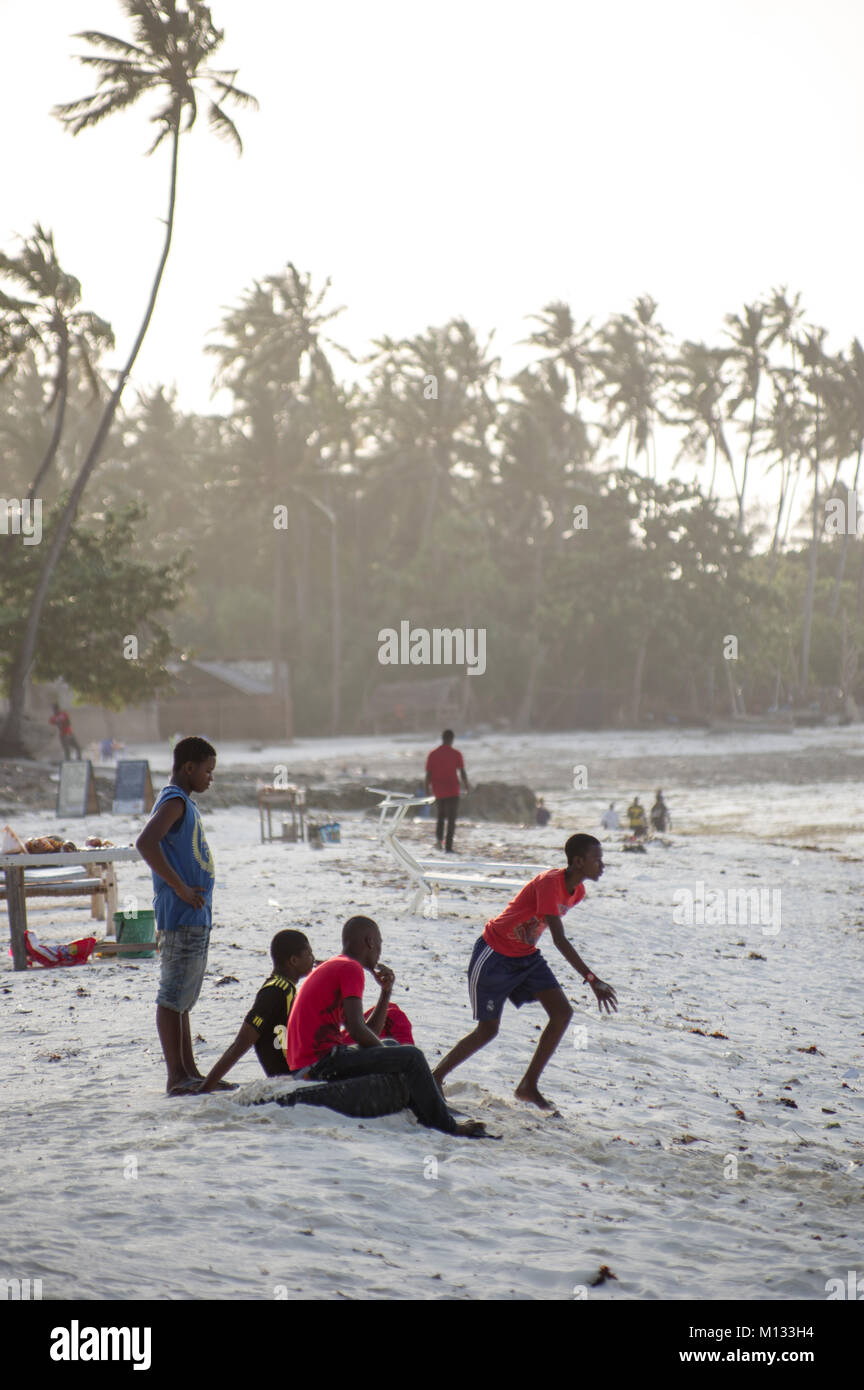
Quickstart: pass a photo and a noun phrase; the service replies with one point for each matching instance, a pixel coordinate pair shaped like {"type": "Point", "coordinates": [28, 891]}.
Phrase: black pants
{"type": "Point", "coordinates": [400, 1061]}
{"type": "Point", "coordinates": [362, 1096]}
{"type": "Point", "coordinates": [447, 806]}
{"type": "Point", "coordinates": [69, 741]}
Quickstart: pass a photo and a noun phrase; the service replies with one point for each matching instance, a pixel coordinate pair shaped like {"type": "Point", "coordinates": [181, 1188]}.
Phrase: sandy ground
{"type": "Point", "coordinates": [679, 1160]}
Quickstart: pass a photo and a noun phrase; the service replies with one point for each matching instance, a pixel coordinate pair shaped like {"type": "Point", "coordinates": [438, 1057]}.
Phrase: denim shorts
{"type": "Point", "coordinates": [184, 960]}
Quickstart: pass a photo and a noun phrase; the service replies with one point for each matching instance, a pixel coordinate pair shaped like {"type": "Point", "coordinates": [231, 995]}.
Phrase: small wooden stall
{"type": "Point", "coordinates": [288, 798]}
{"type": "Point", "coordinates": [67, 874]}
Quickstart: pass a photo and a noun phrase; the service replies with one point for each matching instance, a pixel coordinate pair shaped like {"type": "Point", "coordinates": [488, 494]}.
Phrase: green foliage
{"type": "Point", "coordinates": [429, 489]}
{"type": "Point", "coordinates": [99, 596]}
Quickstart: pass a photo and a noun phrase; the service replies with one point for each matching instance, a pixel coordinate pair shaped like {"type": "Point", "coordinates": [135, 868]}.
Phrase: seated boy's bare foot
{"type": "Point", "coordinates": [531, 1096]}
{"type": "Point", "coordinates": [474, 1129]}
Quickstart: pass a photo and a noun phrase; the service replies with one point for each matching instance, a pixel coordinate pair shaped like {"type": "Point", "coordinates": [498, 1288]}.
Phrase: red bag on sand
{"type": "Point", "coordinates": [397, 1025]}
{"type": "Point", "coordinates": [76, 953]}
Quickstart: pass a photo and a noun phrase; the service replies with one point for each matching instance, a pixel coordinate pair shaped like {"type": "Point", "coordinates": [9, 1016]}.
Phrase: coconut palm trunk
{"type": "Point", "coordinates": [844, 544]}
{"type": "Point", "coordinates": [62, 395]}
{"type": "Point", "coordinates": [811, 585]}
{"type": "Point", "coordinates": [11, 734]}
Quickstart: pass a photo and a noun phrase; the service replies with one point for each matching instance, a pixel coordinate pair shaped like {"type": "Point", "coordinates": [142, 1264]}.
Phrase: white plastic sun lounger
{"type": "Point", "coordinates": [425, 874]}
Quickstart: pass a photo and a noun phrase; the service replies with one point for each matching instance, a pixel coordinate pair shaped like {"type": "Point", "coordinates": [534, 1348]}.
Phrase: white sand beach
{"type": "Point", "coordinates": [692, 1166]}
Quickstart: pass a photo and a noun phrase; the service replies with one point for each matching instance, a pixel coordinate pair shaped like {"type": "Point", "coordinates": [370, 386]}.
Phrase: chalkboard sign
{"type": "Point", "coordinates": [76, 795]}
{"type": "Point", "coordinates": [133, 788]}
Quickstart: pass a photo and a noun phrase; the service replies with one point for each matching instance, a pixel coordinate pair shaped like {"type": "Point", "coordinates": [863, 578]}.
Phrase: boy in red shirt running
{"type": "Point", "coordinates": [506, 964]}
{"type": "Point", "coordinates": [444, 767]}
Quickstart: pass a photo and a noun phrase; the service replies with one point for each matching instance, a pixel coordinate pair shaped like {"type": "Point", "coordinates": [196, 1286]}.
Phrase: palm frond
{"type": "Point", "coordinates": [224, 82]}
{"type": "Point", "coordinates": [117, 69]}
{"type": "Point", "coordinates": [89, 111]}
{"type": "Point", "coordinates": [109, 41]}
{"type": "Point", "coordinates": [223, 125]}
{"type": "Point", "coordinates": [86, 364]}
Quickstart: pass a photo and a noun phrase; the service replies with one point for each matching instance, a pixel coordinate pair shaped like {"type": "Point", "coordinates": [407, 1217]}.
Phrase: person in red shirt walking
{"type": "Point", "coordinates": [506, 964]}
{"type": "Point", "coordinates": [60, 719]}
{"type": "Point", "coordinates": [444, 767]}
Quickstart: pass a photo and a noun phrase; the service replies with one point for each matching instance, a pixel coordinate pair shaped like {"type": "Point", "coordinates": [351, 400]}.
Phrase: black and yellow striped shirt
{"type": "Point", "coordinates": [269, 1016]}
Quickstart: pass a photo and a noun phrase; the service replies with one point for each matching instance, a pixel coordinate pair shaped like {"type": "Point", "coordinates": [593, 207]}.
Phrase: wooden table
{"type": "Point", "coordinates": [292, 798]}
{"type": "Point", "coordinates": [14, 866]}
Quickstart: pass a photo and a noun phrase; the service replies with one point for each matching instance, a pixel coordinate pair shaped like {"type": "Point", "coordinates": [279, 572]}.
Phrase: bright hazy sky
{"type": "Point", "coordinates": [473, 157]}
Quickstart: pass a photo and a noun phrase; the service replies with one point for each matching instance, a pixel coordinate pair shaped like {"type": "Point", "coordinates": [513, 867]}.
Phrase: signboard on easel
{"type": "Point", "coordinates": [133, 788]}
{"type": "Point", "coordinates": [76, 794]}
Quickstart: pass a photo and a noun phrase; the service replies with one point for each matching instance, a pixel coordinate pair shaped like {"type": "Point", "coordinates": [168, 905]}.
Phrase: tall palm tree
{"type": "Point", "coordinates": [697, 386]}
{"type": "Point", "coordinates": [273, 359]}
{"type": "Point", "coordinates": [816, 368]}
{"type": "Point", "coordinates": [750, 336]}
{"type": "Point", "coordinates": [848, 427]}
{"type": "Point", "coordinates": [573, 347]}
{"type": "Point", "coordinates": [169, 58]}
{"type": "Point", "coordinates": [785, 430]}
{"type": "Point", "coordinates": [49, 319]}
{"type": "Point", "coordinates": [632, 365]}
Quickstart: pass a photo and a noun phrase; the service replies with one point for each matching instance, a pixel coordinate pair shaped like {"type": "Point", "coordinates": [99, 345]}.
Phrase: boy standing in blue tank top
{"type": "Point", "coordinates": [173, 844]}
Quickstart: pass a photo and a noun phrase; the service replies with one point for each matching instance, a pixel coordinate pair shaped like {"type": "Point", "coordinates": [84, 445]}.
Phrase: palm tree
{"type": "Point", "coordinates": [169, 58]}
{"type": "Point", "coordinates": [750, 335]}
{"type": "Point", "coordinates": [571, 346]}
{"type": "Point", "coordinates": [816, 367]}
{"type": "Point", "coordinates": [49, 318]}
{"type": "Point", "coordinates": [632, 365]}
{"type": "Point", "coordinates": [697, 385]}
{"type": "Point", "coordinates": [273, 360]}
{"type": "Point", "coordinates": [785, 432]}
{"type": "Point", "coordinates": [849, 431]}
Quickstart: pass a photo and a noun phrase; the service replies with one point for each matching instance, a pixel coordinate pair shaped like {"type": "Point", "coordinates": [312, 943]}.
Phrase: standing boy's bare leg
{"type": "Point", "coordinates": [188, 1055]}
{"type": "Point", "coordinates": [169, 1025]}
{"type": "Point", "coordinates": [557, 1006]}
{"type": "Point", "coordinates": [483, 1034]}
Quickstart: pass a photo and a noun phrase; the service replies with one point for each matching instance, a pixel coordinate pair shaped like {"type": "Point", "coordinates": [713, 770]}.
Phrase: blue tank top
{"type": "Point", "coordinates": [188, 853]}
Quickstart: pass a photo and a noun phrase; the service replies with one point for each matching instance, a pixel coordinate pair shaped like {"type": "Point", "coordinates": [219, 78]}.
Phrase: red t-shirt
{"type": "Point", "coordinates": [443, 766]}
{"type": "Point", "coordinates": [315, 1021]}
{"type": "Point", "coordinates": [516, 930]}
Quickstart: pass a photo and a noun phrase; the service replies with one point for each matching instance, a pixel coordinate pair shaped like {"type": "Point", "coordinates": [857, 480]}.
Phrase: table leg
{"type": "Point", "coordinates": [17, 907]}
{"type": "Point", "coordinates": [110, 878]}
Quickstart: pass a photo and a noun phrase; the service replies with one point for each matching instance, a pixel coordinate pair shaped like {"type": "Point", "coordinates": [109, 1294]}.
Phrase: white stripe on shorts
{"type": "Point", "coordinates": [474, 977]}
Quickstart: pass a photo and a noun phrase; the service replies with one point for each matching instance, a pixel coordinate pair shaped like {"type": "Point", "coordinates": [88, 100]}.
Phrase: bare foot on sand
{"type": "Point", "coordinates": [474, 1129]}
{"type": "Point", "coordinates": [531, 1096]}
{"type": "Point", "coordinates": [186, 1087]}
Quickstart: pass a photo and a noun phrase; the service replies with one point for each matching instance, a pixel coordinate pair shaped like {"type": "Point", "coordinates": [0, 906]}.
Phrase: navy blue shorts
{"type": "Point", "coordinates": [492, 978]}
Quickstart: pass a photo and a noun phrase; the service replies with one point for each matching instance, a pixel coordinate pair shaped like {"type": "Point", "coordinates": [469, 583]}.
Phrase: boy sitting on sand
{"type": "Point", "coordinates": [173, 844]}
{"type": "Point", "coordinates": [506, 964]}
{"type": "Point", "coordinates": [264, 1027]}
{"type": "Point", "coordinates": [332, 997]}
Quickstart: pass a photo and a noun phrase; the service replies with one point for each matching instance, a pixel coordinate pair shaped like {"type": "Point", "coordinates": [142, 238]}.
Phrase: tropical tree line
{"type": "Point", "coordinates": [641, 524]}
{"type": "Point", "coordinates": [332, 498]}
